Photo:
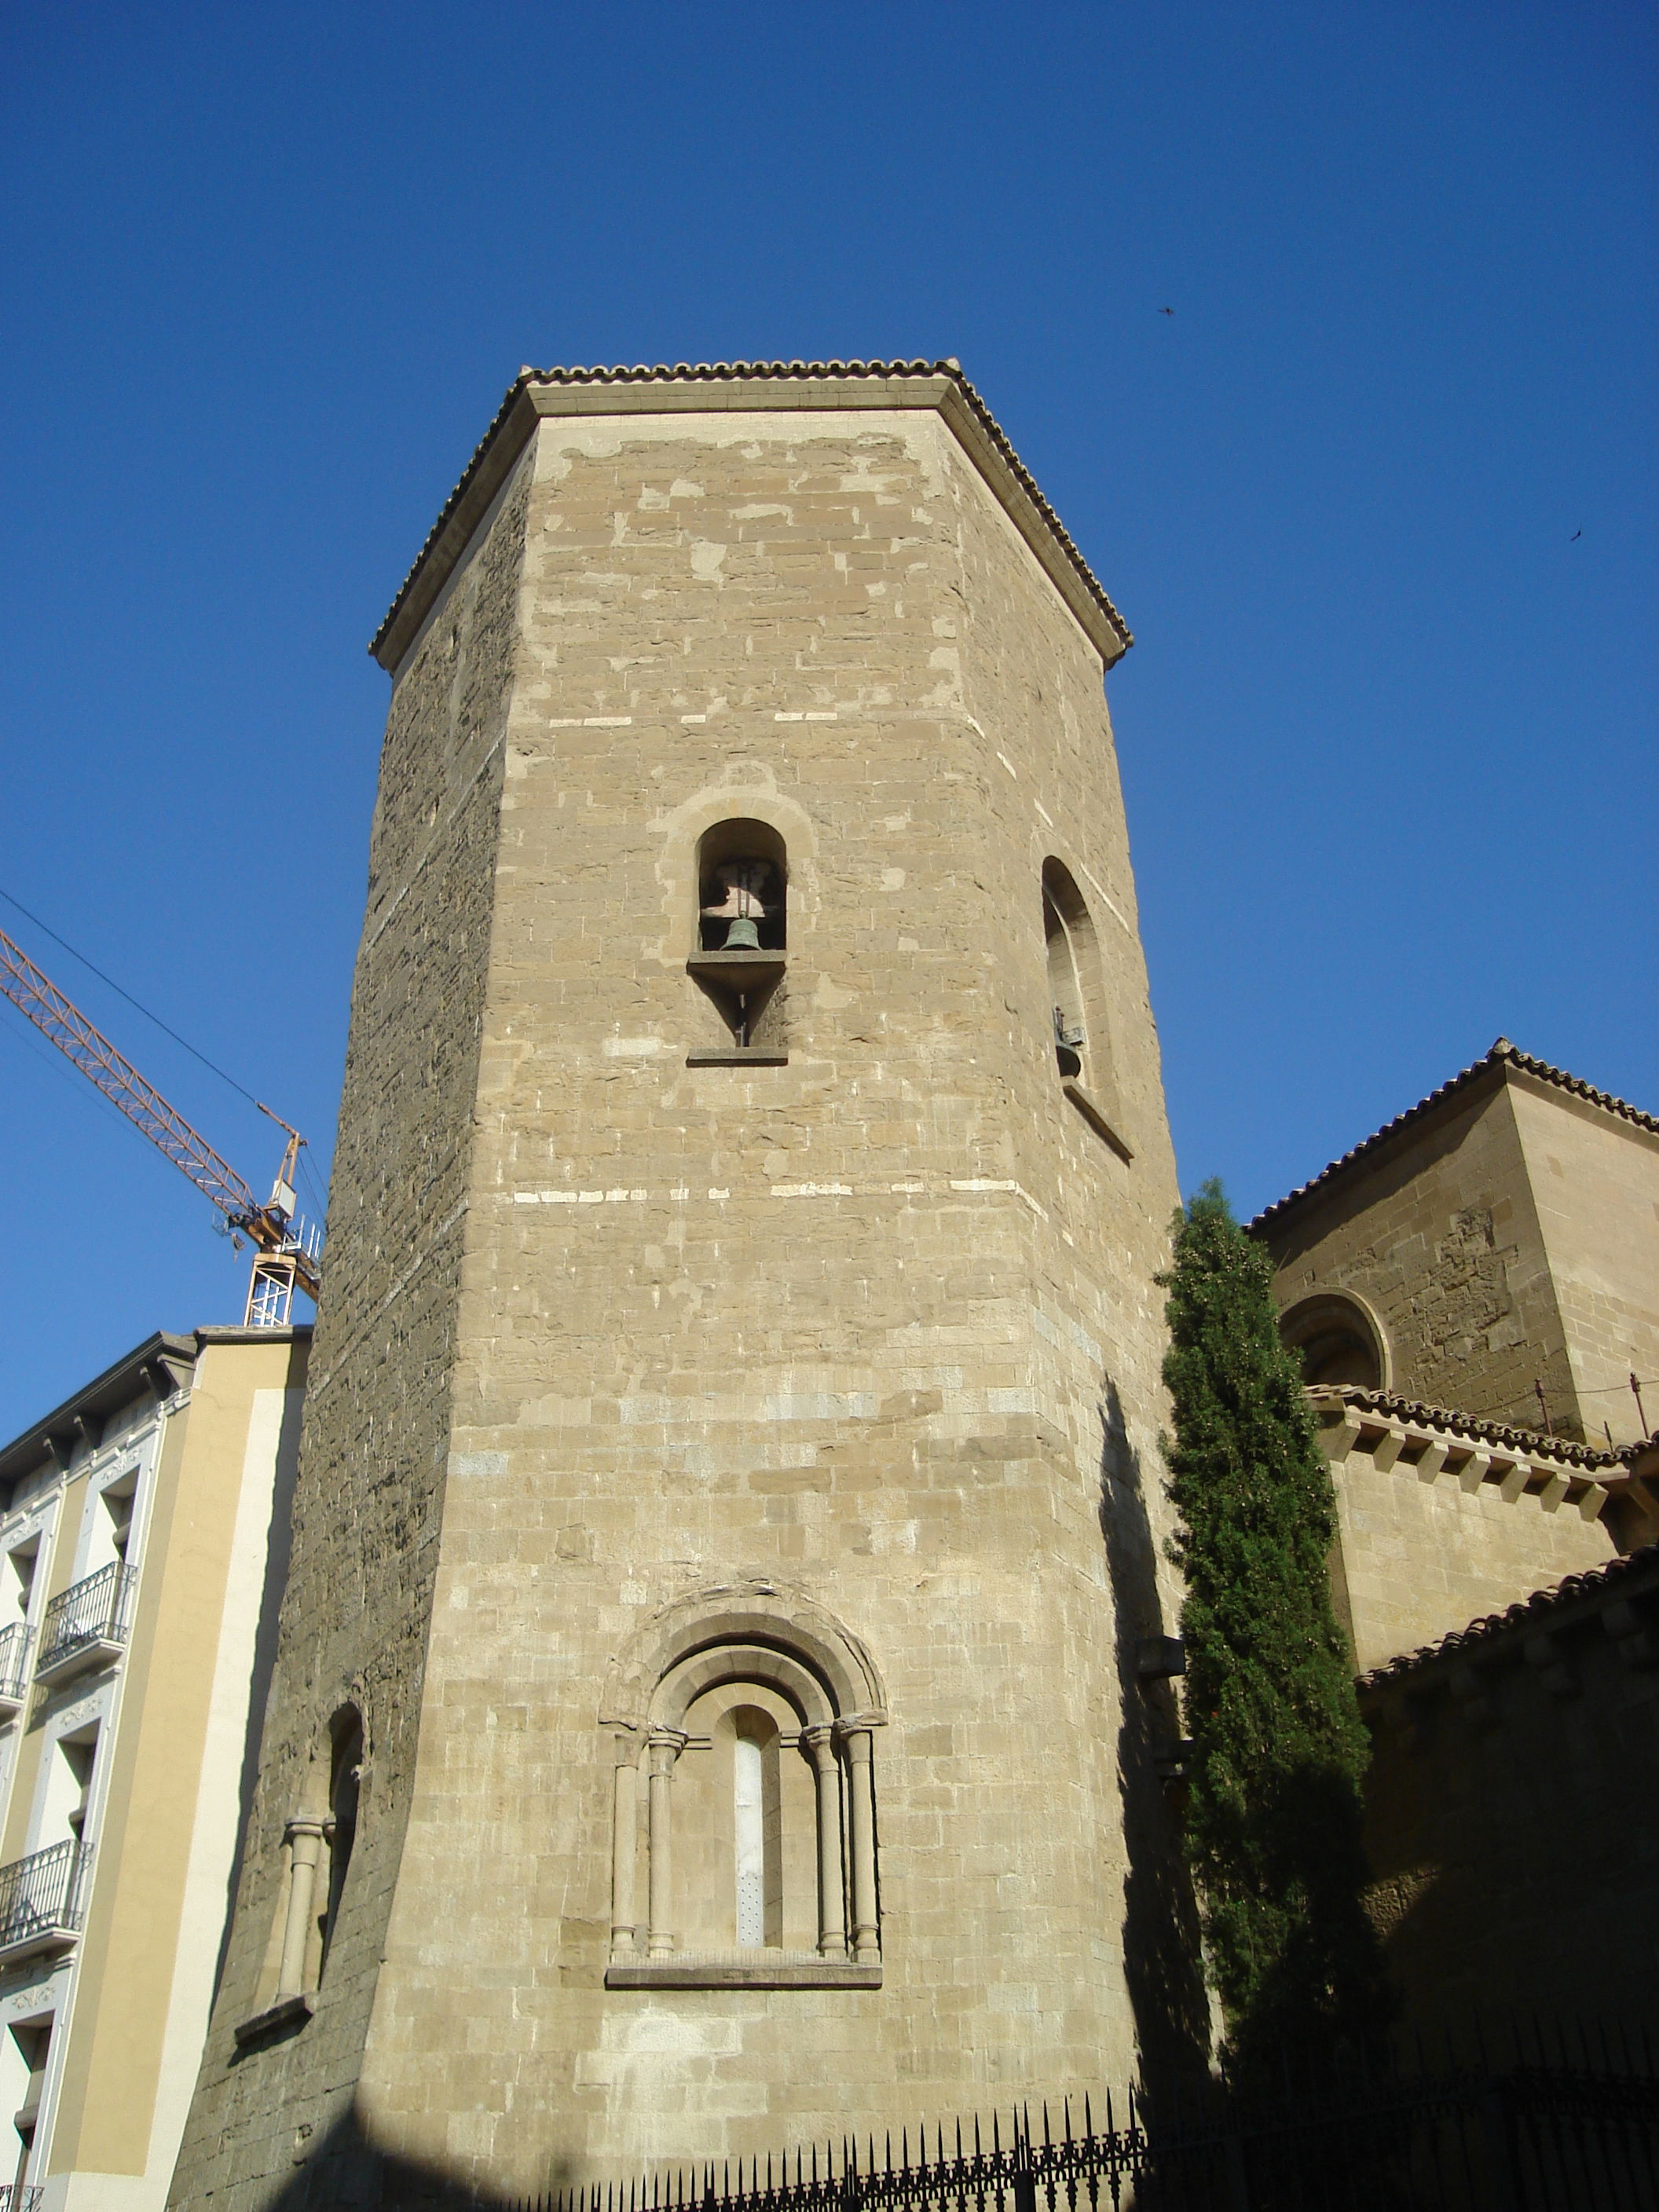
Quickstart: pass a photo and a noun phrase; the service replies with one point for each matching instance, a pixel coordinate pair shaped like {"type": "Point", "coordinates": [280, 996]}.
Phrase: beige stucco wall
{"type": "Point", "coordinates": [1595, 1180]}
{"type": "Point", "coordinates": [871, 1326]}
{"type": "Point", "coordinates": [192, 1679]}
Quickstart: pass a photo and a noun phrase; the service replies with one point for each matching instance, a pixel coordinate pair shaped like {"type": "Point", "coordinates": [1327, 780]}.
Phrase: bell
{"type": "Point", "coordinates": [743, 935]}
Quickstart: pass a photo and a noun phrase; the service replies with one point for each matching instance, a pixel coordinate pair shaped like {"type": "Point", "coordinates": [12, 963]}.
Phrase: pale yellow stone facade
{"type": "Point", "coordinates": [142, 1535]}
{"type": "Point", "coordinates": [1502, 1235]}
{"type": "Point", "coordinates": [1440, 1521]}
{"type": "Point", "coordinates": [837, 1355]}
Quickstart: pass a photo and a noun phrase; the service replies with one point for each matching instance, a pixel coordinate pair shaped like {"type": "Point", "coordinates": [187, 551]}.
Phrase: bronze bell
{"type": "Point", "coordinates": [743, 935]}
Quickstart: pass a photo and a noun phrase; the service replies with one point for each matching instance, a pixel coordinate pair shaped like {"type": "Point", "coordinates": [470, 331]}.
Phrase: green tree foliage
{"type": "Point", "coordinates": [1279, 1748]}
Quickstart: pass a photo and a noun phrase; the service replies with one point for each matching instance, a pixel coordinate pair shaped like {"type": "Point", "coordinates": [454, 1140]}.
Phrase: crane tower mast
{"type": "Point", "coordinates": [286, 1250]}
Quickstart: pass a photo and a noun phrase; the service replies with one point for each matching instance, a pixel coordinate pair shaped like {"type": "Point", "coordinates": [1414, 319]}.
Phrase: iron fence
{"type": "Point", "coordinates": [1557, 2123]}
{"type": "Point", "coordinates": [21, 2195]}
{"type": "Point", "coordinates": [95, 1611]}
{"type": "Point", "coordinates": [44, 1894]}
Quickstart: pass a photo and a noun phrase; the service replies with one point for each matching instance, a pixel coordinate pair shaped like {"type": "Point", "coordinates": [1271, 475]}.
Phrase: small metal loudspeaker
{"type": "Point", "coordinates": [743, 885]}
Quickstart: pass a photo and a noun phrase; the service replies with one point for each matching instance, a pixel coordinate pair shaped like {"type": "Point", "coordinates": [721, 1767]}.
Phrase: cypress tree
{"type": "Point", "coordinates": [1278, 1748]}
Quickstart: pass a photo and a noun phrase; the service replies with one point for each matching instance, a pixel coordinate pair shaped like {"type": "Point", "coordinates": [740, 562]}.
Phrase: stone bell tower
{"type": "Point", "coordinates": [738, 1336]}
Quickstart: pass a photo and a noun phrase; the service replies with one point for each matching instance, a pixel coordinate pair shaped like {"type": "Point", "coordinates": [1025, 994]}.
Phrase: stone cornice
{"type": "Point", "coordinates": [750, 387]}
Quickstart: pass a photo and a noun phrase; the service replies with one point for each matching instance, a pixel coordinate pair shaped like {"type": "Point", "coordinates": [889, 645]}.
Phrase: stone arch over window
{"type": "Point", "coordinates": [1339, 1339]}
{"type": "Point", "coordinates": [744, 1842]}
{"type": "Point", "coordinates": [1080, 1038]}
{"type": "Point", "coordinates": [742, 877]}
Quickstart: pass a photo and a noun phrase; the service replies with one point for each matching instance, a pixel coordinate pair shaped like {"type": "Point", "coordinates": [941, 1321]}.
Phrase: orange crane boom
{"type": "Point", "coordinates": [287, 1252]}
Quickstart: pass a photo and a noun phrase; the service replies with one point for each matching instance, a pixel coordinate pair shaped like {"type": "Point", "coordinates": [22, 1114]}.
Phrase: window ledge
{"type": "Point", "coordinates": [806, 1972]}
{"type": "Point", "coordinates": [739, 972]}
{"type": "Point", "coordinates": [287, 2012]}
{"type": "Point", "coordinates": [1095, 1115]}
{"type": "Point", "coordinates": [738, 1056]}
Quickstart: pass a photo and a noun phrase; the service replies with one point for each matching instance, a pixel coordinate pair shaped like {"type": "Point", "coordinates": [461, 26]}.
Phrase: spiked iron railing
{"type": "Point", "coordinates": [1559, 2123]}
{"type": "Point", "coordinates": [93, 1615]}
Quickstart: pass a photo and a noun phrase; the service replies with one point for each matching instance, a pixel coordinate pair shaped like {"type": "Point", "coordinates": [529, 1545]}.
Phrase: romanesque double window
{"type": "Point", "coordinates": [743, 1840]}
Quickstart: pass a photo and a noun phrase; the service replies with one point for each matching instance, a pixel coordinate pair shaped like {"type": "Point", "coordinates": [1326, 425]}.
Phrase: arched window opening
{"type": "Point", "coordinates": [345, 1781]}
{"type": "Point", "coordinates": [744, 1832]}
{"type": "Point", "coordinates": [1078, 1037]}
{"type": "Point", "coordinates": [1338, 1340]}
{"type": "Point", "coordinates": [742, 931]}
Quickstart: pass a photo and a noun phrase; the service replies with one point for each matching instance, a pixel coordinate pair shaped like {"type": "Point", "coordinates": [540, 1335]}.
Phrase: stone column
{"type": "Point", "coordinates": [665, 1746]}
{"type": "Point", "coordinates": [624, 1846]}
{"type": "Point", "coordinates": [867, 1944]}
{"type": "Point", "coordinates": [304, 1838]}
{"type": "Point", "coordinates": [820, 1742]}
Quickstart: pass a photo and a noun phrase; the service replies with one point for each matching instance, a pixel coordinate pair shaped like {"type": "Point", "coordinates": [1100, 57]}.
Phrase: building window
{"type": "Point", "coordinates": [1339, 1339]}
{"type": "Point", "coordinates": [345, 1780]}
{"type": "Point", "coordinates": [739, 953]}
{"type": "Point", "coordinates": [743, 1844]}
{"type": "Point", "coordinates": [1078, 1037]}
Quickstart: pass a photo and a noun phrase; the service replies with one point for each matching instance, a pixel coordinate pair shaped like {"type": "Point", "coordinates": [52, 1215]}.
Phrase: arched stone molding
{"type": "Point", "coordinates": [757, 1611]}
{"type": "Point", "coordinates": [757, 1641]}
{"type": "Point", "coordinates": [1340, 1338]}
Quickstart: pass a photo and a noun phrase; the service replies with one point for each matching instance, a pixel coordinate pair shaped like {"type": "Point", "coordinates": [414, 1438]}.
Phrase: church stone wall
{"type": "Point", "coordinates": [1440, 1235]}
{"type": "Point", "coordinates": [370, 1489]}
{"type": "Point", "coordinates": [1509, 1815]}
{"type": "Point", "coordinates": [869, 1331]}
{"type": "Point", "coordinates": [1595, 1180]}
{"type": "Point", "coordinates": [1421, 1559]}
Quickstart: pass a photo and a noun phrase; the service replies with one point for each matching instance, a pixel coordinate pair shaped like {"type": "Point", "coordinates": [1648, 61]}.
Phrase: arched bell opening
{"type": "Point", "coordinates": [742, 930]}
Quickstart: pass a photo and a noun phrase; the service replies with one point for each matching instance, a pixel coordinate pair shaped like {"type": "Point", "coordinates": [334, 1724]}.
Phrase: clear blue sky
{"type": "Point", "coordinates": [1388, 734]}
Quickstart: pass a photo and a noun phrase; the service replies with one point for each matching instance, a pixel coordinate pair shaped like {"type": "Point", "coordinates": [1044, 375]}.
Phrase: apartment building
{"type": "Point", "coordinates": [144, 1535]}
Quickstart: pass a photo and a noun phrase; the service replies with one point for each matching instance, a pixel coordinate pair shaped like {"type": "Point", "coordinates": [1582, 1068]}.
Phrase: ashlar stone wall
{"type": "Point", "coordinates": [369, 1499]}
{"type": "Point", "coordinates": [872, 1334]}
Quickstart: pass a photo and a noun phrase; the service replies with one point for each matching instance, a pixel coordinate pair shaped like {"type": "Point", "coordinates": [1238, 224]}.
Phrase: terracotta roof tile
{"type": "Point", "coordinates": [1389, 1407]}
{"type": "Point", "coordinates": [1529, 1614]}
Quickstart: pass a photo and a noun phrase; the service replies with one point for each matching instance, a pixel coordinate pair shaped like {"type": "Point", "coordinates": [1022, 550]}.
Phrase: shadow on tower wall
{"type": "Point", "coordinates": [346, 2172]}
{"type": "Point", "coordinates": [1161, 1950]}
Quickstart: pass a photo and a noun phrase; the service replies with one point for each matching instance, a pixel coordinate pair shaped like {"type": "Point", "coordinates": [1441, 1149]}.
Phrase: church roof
{"type": "Point", "coordinates": [1501, 1054]}
{"type": "Point", "coordinates": [709, 387]}
{"type": "Point", "coordinates": [1388, 1406]}
{"type": "Point", "coordinates": [1637, 1571]}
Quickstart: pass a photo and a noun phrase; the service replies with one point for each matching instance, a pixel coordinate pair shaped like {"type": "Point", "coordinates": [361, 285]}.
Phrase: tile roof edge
{"type": "Point", "coordinates": [682, 374]}
{"type": "Point", "coordinates": [1501, 1054]}
{"type": "Point", "coordinates": [1526, 1612]}
{"type": "Point", "coordinates": [1390, 1406]}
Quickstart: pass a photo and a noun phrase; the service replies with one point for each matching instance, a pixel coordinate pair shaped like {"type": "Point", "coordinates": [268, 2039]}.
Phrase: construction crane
{"type": "Point", "coordinates": [287, 1251]}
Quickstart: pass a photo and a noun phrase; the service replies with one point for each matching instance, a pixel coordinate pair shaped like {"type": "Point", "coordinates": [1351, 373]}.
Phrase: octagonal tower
{"type": "Point", "coordinates": [722, 1504]}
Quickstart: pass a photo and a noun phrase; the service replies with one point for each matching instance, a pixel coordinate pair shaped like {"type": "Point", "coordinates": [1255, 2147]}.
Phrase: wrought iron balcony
{"type": "Point", "coordinates": [42, 1898]}
{"type": "Point", "coordinates": [14, 1685]}
{"type": "Point", "coordinates": [87, 1624]}
{"type": "Point", "coordinates": [21, 2195]}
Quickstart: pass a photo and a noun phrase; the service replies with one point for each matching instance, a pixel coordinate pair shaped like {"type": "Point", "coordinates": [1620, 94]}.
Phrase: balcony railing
{"type": "Point", "coordinates": [21, 2195]}
{"type": "Point", "coordinates": [88, 1621]}
{"type": "Point", "coordinates": [42, 1898]}
{"type": "Point", "coordinates": [14, 1682]}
